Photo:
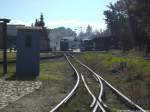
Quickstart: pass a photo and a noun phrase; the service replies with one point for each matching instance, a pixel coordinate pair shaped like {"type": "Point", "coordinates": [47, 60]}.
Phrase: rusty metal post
{"type": "Point", "coordinates": [5, 21]}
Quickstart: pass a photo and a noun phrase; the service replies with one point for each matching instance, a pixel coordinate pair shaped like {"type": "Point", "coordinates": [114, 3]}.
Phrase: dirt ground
{"type": "Point", "coordinates": [41, 100]}
{"type": "Point", "coordinates": [45, 98]}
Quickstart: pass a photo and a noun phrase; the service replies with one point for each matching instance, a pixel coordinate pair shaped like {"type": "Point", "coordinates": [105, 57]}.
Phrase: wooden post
{"type": "Point", "coordinates": [123, 66]}
{"type": "Point", "coordinates": [5, 21]}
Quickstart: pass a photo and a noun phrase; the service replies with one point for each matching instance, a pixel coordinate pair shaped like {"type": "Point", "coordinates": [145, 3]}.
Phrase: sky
{"type": "Point", "coordinates": [68, 13]}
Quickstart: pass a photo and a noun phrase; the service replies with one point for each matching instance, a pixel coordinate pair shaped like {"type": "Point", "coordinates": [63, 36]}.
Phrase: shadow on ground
{"type": "Point", "coordinates": [22, 77]}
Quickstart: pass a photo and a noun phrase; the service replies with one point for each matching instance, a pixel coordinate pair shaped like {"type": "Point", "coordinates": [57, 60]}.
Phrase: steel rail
{"type": "Point", "coordinates": [96, 76]}
{"type": "Point", "coordinates": [123, 96]}
{"type": "Point", "coordinates": [100, 106]}
{"type": "Point", "coordinates": [99, 102]}
{"type": "Point", "coordinates": [89, 91]}
{"type": "Point", "coordinates": [72, 91]}
{"type": "Point", "coordinates": [113, 88]}
{"type": "Point", "coordinates": [100, 97]}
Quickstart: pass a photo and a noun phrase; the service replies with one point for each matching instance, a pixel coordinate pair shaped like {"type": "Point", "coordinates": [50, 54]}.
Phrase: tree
{"type": "Point", "coordinates": [81, 35]}
{"type": "Point", "coordinates": [88, 34]}
{"type": "Point", "coordinates": [44, 38]}
{"type": "Point", "coordinates": [129, 22]}
{"type": "Point", "coordinates": [140, 21]}
{"type": "Point", "coordinates": [89, 29]}
{"type": "Point", "coordinates": [116, 18]}
{"type": "Point", "coordinates": [40, 23]}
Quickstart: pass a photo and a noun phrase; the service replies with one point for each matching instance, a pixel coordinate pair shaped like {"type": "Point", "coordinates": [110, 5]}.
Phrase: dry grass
{"type": "Point", "coordinates": [135, 82]}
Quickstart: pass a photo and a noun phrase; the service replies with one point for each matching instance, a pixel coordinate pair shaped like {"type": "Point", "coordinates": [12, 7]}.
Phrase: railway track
{"type": "Point", "coordinates": [97, 104]}
{"type": "Point", "coordinates": [72, 91]}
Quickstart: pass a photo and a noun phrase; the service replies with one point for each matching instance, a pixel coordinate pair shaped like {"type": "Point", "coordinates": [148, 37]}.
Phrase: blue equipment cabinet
{"type": "Point", "coordinates": [28, 51]}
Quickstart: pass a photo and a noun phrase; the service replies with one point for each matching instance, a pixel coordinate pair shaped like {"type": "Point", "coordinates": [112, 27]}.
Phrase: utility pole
{"type": "Point", "coordinates": [76, 40]}
{"type": "Point", "coordinates": [4, 25]}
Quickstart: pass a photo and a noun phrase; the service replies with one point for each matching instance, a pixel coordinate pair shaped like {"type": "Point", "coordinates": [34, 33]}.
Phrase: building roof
{"type": "Point", "coordinates": [69, 38]}
{"type": "Point", "coordinates": [28, 28]}
{"type": "Point", "coordinates": [5, 20]}
{"type": "Point", "coordinates": [86, 39]}
{"type": "Point", "coordinates": [12, 29]}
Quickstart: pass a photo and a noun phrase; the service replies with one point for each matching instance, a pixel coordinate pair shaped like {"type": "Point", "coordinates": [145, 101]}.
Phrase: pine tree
{"type": "Point", "coordinates": [40, 23]}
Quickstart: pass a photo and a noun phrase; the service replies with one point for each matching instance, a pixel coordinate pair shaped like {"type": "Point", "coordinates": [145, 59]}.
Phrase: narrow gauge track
{"type": "Point", "coordinates": [72, 91]}
{"type": "Point", "coordinates": [126, 100]}
{"type": "Point", "coordinates": [97, 104]}
{"type": "Point", "coordinates": [97, 101]}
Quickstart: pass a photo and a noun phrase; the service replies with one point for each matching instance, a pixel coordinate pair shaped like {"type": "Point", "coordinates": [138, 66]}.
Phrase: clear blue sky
{"type": "Point", "coordinates": [69, 13]}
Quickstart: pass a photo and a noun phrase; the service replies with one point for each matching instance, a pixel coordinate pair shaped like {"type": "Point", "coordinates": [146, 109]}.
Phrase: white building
{"type": "Point", "coordinates": [55, 36]}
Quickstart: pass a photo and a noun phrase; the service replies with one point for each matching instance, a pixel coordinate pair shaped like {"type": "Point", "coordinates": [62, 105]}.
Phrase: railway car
{"type": "Point", "coordinates": [64, 45]}
{"type": "Point", "coordinates": [87, 45]}
{"type": "Point", "coordinates": [102, 43]}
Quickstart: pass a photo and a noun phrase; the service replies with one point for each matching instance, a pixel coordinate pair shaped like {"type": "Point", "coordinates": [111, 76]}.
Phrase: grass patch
{"type": "Point", "coordinates": [134, 82]}
{"type": "Point", "coordinates": [49, 70]}
{"type": "Point", "coordinates": [80, 102]}
{"type": "Point", "coordinates": [10, 70]}
{"type": "Point", "coordinates": [10, 56]}
{"type": "Point", "coordinates": [55, 70]}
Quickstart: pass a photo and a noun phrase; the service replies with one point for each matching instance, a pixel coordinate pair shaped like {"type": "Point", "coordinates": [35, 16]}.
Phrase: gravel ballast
{"type": "Point", "coordinates": [11, 91]}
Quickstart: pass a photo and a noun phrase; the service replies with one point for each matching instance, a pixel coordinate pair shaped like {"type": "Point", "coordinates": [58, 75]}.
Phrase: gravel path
{"type": "Point", "coordinates": [11, 91]}
{"type": "Point", "coordinates": [45, 95]}
{"type": "Point", "coordinates": [42, 100]}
